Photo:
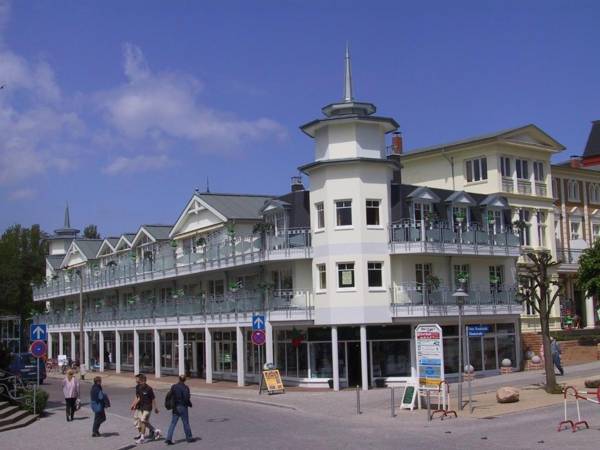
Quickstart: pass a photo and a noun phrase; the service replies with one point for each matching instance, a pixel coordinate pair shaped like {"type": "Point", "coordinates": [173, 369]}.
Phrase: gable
{"type": "Point", "coordinates": [74, 257]}
{"type": "Point", "coordinates": [532, 135]}
{"type": "Point", "coordinates": [106, 249]}
{"type": "Point", "coordinates": [196, 216]}
{"type": "Point", "coordinates": [142, 237]}
{"type": "Point", "coordinates": [424, 194]}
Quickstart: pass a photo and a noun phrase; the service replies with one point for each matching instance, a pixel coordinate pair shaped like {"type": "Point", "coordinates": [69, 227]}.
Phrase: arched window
{"type": "Point", "coordinates": [573, 189]}
{"type": "Point", "coordinates": [595, 193]}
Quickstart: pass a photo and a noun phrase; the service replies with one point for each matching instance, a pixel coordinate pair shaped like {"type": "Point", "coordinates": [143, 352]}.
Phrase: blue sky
{"type": "Point", "coordinates": [123, 108]}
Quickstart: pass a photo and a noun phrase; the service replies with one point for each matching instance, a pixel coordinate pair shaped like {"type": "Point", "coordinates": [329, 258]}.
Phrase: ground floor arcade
{"type": "Point", "coordinates": [308, 355]}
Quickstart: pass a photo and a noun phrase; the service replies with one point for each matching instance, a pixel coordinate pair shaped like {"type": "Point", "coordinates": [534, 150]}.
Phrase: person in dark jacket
{"type": "Point", "coordinates": [98, 403]}
{"type": "Point", "coordinates": [181, 403]}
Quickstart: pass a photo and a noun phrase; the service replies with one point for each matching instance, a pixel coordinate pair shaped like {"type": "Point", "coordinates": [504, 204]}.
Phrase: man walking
{"type": "Point", "coordinates": [98, 402]}
{"type": "Point", "coordinates": [180, 394]}
{"type": "Point", "coordinates": [555, 350]}
{"type": "Point", "coordinates": [142, 405]}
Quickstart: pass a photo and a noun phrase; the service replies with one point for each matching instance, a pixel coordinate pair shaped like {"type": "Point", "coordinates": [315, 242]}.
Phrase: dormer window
{"type": "Point", "coordinates": [476, 169]}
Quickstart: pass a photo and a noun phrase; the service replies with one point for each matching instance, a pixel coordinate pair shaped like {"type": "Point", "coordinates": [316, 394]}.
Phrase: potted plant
{"type": "Point", "coordinates": [462, 277]}
{"type": "Point", "coordinates": [432, 281]}
{"type": "Point", "coordinates": [520, 224]}
{"type": "Point", "coordinates": [201, 242]}
{"type": "Point", "coordinates": [235, 286]}
{"type": "Point", "coordinates": [491, 220]}
{"type": "Point", "coordinates": [178, 293]}
{"type": "Point", "coordinates": [262, 228]}
{"type": "Point", "coordinates": [174, 243]}
{"type": "Point", "coordinates": [494, 280]}
{"type": "Point", "coordinates": [459, 216]}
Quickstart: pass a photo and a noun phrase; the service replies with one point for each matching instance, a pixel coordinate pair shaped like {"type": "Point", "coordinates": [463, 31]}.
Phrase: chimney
{"type": "Point", "coordinates": [575, 161]}
{"type": "Point", "coordinates": [397, 143]}
{"type": "Point", "coordinates": [297, 184]}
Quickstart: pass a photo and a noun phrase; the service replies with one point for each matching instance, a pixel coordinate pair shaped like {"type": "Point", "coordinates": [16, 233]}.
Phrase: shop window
{"type": "Point", "coordinates": [375, 274]}
{"type": "Point", "coordinates": [391, 358]}
{"type": "Point", "coordinates": [373, 212]}
{"type": "Point", "coordinates": [343, 213]}
{"type": "Point", "coordinates": [345, 275]}
{"type": "Point", "coordinates": [476, 169]}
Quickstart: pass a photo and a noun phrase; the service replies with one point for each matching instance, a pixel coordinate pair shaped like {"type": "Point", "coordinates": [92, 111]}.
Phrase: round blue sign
{"type": "Point", "coordinates": [258, 337]}
{"type": "Point", "coordinates": [38, 349]}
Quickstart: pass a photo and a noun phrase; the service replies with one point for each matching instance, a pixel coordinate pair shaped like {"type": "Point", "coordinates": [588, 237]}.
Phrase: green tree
{"type": "Point", "coordinates": [539, 296]}
{"type": "Point", "coordinates": [91, 232]}
{"type": "Point", "coordinates": [588, 275]}
{"type": "Point", "coordinates": [22, 263]}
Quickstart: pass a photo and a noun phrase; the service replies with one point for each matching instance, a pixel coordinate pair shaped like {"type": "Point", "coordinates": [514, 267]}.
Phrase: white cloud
{"type": "Point", "coordinates": [137, 164]}
{"type": "Point", "coordinates": [168, 104]}
{"type": "Point", "coordinates": [22, 194]}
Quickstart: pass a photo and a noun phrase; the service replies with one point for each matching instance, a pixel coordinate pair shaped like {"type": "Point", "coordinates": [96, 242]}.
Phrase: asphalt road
{"type": "Point", "coordinates": [226, 424]}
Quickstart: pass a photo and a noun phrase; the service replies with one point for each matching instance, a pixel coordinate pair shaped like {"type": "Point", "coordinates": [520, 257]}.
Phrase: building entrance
{"type": "Point", "coordinates": [354, 368]}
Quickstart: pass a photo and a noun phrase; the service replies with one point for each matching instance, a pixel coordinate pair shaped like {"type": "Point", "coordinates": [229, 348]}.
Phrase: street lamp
{"type": "Point", "coordinates": [81, 338]}
{"type": "Point", "coordinates": [460, 295]}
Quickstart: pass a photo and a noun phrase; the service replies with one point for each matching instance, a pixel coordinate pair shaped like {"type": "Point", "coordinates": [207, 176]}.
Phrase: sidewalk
{"type": "Point", "coordinates": [376, 401]}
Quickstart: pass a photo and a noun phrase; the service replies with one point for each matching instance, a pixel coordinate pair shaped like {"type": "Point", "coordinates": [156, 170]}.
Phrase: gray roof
{"type": "Point", "coordinates": [55, 261]}
{"type": "Point", "coordinates": [592, 148]}
{"type": "Point", "coordinates": [89, 247]}
{"type": "Point", "coordinates": [112, 240]}
{"type": "Point", "coordinates": [158, 232]}
{"type": "Point", "coordinates": [483, 137]}
{"type": "Point", "coordinates": [236, 206]}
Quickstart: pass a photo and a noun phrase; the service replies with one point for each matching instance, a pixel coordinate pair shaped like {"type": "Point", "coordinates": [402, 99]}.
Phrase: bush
{"type": "Point", "coordinates": [588, 340]}
{"type": "Point", "coordinates": [41, 400]}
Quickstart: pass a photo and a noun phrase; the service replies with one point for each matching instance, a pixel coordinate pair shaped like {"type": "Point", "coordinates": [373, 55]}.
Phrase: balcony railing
{"type": "Point", "coordinates": [524, 187]}
{"type": "Point", "coordinates": [541, 189]}
{"type": "Point", "coordinates": [439, 299]}
{"type": "Point", "coordinates": [569, 256]}
{"type": "Point", "coordinates": [507, 185]}
{"type": "Point", "coordinates": [232, 251]}
{"type": "Point", "coordinates": [441, 237]}
{"type": "Point", "coordinates": [242, 302]}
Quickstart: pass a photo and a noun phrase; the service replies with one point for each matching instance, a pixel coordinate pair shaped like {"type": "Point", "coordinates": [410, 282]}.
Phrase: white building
{"type": "Point", "coordinates": [343, 272]}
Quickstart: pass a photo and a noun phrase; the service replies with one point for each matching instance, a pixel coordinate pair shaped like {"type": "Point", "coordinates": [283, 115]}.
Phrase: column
{"type": "Point", "coordinates": [73, 352]}
{"type": "Point", "coordinates": [117, 351]}
{"type": "Point", "coordinates": [335, 358]}
{"type": "Point", "coordinates": [364, 367]}
{"type": "Point", "coordinates": [268, 341]}
{"type": "Point", "coordinates": [589, 312]}
{"type": "Point", "coordinates": [101, 350]}
{"type": "Point", "coordinates": [61, 344]}
{"type": "Point", "coordinates": [208, 360]}
{"type": "Point", "coordinates": [240, 347]}
{"type": "Point", "coordinates": [86, 350]}
{"type": "Point", "coordinates": [136, 352]}
{"type": "Point", "coordinates": [156, 354]}
{"type": "Point", "coordinates": [181, 351]}
{"type": "Point", "coordinates": [50, 355]}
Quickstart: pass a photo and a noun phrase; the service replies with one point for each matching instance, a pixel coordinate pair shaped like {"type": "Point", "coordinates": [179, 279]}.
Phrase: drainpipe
{"type": "Point", "coordinates": [450, 160]}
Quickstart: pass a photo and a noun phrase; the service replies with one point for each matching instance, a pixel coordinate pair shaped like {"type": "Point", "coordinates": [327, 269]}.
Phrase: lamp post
{"type": "Point", "coordinates": [460, 295]}
{"type": "Point", "coordinates": [81, 339]}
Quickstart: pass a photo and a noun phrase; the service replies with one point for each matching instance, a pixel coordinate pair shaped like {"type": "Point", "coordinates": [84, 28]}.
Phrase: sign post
{"type": "Point", "coordinates": [38, 350]}
{"type": "Point", "coordinates": [473, 331]}
{"type": "Point", "coordinates": [430, 356]}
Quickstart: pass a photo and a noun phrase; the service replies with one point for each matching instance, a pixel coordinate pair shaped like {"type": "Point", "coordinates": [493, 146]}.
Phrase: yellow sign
{"type": "Point", "coordinates": [273, 381]}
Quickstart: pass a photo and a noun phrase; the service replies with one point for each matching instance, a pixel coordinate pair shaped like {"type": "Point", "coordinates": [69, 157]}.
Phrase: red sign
{"type": "Point", "coordinates": [258, 337]}
{"type": "Point", "coordinates": [38, 349]}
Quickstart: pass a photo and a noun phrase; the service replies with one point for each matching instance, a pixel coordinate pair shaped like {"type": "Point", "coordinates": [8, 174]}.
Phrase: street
{"type": "Point", "coordinates": [228, 424]}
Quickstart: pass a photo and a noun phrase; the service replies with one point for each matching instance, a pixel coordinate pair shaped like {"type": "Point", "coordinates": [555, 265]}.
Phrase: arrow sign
{"type": "Point", "coordinates": [38, 331]}
{"type": "Point", "coordinates": [258, 322]}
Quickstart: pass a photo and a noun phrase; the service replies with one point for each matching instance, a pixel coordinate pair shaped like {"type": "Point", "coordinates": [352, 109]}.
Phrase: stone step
{"type": "Point", "coordinates": [14, 417]}
{"type": "Point", "coordinates": [22, 422]}
{"type": "Point", "coordinates": [4, 405]}
{"type": "Point", "coordinates": [7, 411]}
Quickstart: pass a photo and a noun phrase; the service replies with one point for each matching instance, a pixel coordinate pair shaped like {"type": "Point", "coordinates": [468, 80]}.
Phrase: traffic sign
{"type": "Point", "coordinates": [38, 349]}
{"type": "Point", "coordinates": [258, 322]}
{"type": "Point", "coordinates": [38, 331]}
{"type": "Point", "coordinates": [478, 330]}
{"type": "Point", "coordinates": [258, 337]}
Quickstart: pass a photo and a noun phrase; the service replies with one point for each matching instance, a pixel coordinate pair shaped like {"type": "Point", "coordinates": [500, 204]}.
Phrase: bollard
{"type": "Point", "coordinates": [392, 403]}
{"type": "Point", "coordinates": [358, 399]}
{"type": "Point", "coordinates": [428, 406]}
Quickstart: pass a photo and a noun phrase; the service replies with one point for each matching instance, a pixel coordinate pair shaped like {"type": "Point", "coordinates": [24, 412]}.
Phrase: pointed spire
{"type": "Point", "coordinates": [67, 224]}
{"type": "Point", "coordinates": [348, 78]}
{"type": "Point", "coordinates": [207, 186]}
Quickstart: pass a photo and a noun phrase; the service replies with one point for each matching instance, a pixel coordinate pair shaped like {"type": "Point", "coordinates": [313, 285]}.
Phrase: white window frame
{"type": "Point", "coordinates": [555, 190]}
{"type": "Point", "coordinates": [371, 266]}
{"type": "Point", "coordinates": [320, 213]}
{"type": "Point", "coordinates": [369, 204]}
{"type": "Point", "coordinates": [321, 277]}
{"type": "Point", "coordinates": [539, 174]}
{"type": "Point", "coordinates": [594, 191]}
{"type": "Point", "coordinates": [345, 266]}
{"type": "Point", "coordinates": [573, 191]}
{"type": "Point", "coordinates": [522, 165]}
{"type": "Point", "coordinates": [471, 165]}
{"type": "Point", "coordinates": [541, 224]}
{"type": "Point", "coordinates": [506, 163]}
{"type": "Point", "coordinates": [595, 230]}
{"type": "Point", "coordinates": [337, 224]}
{"type": "Point", "coordinates": [572, 234]}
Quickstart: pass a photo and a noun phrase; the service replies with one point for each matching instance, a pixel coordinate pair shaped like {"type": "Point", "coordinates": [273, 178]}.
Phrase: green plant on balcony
{"type": "Point", "coordinates": [432, 282]}
{"type": "Point", "coordinates": [178, 293]}
{"type": "Point", "coordinates": [132, 255]}
{"type": "Point", "coordinates": [494, 279]}
{"type": "Point", "coordinates": [460, 216]}
{"type": "Point", "coordinates": [519, 224]}
{"type": "Point", "coordinates": [490, 218]}
{"type": "Point", "coordinates": [201, 242]}
{"type": "Point", "coordinates": [262, 228]}
{"type": "Point", "coordinates": [174, 244]}
{"type": "Point", "coordinates": [231, 229]}
{"type": "Point", "coordinates": [430, 216]}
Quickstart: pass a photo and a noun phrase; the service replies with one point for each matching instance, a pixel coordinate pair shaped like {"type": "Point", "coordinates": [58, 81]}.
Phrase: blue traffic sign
{"type": "Point", "coordinates": [38, 331]}
{"type": "Point", "coordinates": [258, 322]}
{"type": "Point", "coordinates": [478, 330]}
{"type": "Point", "coordinates": [38, 349]}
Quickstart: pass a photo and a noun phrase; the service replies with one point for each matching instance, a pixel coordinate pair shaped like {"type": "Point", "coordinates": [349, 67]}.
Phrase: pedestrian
{"type": "Point", "coordinates": [70, 387]}
{"type": "Point", "coordinates": [99, 402]}
{"type": "Point", "coordinates": [142, 405]}
{"type": "Point", "coordinates": [180, 397]}
{"type": "Point", "coordinates": [555, 350]}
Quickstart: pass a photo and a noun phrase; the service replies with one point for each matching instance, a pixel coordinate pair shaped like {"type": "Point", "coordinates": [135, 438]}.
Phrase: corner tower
{"type": "Point", "coordinates": [350, 209]}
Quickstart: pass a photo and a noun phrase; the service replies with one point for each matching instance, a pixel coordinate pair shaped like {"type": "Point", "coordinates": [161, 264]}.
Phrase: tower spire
{"type": "Point", "coordinates": [67, 224]}
{"type": "Point", "coordinates": [348, 78]}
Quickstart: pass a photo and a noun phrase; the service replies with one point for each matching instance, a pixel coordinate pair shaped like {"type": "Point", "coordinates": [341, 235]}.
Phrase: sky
{"type": "Point", "coordinates": [122, 109]}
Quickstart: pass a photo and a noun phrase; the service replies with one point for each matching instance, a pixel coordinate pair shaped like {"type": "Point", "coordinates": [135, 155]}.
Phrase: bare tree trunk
{"type": "Point", "coordinates": [548, 362]}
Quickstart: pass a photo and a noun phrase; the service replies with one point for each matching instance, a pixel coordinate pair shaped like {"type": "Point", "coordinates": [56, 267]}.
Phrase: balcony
{"type": "Point", "coordinates": [524, 187]}
{"type": "Point", "coordinates": [238, 306]}
{"type": "Point", "coordinates": [507, 184]}
{"type": "Point", "coordinates": [568, 258]}
{"type": "Point", "coordinates": [541, 189]}
{"type": "Point", "coordinates": [231, 252]}
{"type": "Point", "coordinates": [413, 299]}
{"type": "Point", "coordinates": [407, 237]}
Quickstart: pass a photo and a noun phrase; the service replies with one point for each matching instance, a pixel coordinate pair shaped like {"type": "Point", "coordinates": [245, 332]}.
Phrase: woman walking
{"type": "Point", "coordinates": [70, 387]}
{"type": "Point", "coordinates": [99, 401]}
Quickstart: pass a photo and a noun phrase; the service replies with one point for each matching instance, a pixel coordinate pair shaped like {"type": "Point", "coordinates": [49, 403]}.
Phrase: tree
{"type": "Point", "coordinates": [588, 275]}
{"type": "Point", "coordinates": [541, 299]}
{"type": "Point", "coordinates": [91, 232]}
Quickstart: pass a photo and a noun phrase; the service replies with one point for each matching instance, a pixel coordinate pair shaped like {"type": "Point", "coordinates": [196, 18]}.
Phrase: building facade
{"type": "Point", "coordinates": [343, 271]}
